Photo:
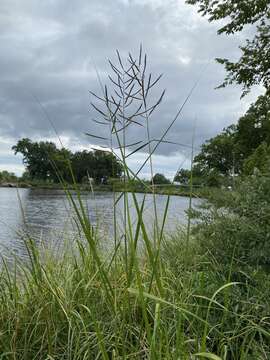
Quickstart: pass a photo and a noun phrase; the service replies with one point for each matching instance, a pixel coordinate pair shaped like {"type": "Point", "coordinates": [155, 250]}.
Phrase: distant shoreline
{"type": "Point", "coordinates": [165, 190]}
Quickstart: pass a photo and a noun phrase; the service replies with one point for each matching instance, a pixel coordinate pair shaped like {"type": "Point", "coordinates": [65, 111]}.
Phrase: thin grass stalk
{"type": "Point", "coordinates": [157, 254]}
{"type": "Point", "coordinates": [116, 244]}
{"type": "Point", "coordinates": [190, 188]}
{"type": "Point", "coordinates": [156, 227]}
{"type": "Point", "coordinates": [126, 210]}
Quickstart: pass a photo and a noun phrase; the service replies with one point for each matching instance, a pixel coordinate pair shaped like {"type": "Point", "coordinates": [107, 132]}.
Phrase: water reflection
{"type": "Point", "coordinates": [49, 218]}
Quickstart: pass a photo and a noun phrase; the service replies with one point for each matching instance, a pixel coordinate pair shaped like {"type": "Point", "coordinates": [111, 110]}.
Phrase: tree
{"type": "Point", "coordinates": [254, 127]}
{"type": "Point", "coordinates": [7, 176]}
{"type": "Point", "coordinates": [218, 153]}
{"type": "Point", "coordinates": [160, 179]}
{"type": "Point", "coordinates": [97, 164]}
{"type": "Point", "coordinates": [44, 161]}
{"type": "Point", "coordinates": [253, 66]}
{"type": "Point", "coordinates": [107, 165]}
{"type": "Point", "coordinates": [232, 150]}
{"type": "Point", "coordinates": [183, 176]}
{"type": "Point", "coordinates": [259, 160]}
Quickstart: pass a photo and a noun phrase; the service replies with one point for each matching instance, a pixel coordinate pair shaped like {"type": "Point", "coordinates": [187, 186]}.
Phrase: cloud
{"type": "Point", "coordinates": [49, 52]}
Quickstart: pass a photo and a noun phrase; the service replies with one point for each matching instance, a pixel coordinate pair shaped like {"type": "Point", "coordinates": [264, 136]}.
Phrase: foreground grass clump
{"type": "Point", "coordinates": [170, 306]}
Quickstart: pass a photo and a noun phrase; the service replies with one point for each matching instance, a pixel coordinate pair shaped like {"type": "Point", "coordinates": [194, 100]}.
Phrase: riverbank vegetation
{"type": "Point", "coordinates": [150, 294]}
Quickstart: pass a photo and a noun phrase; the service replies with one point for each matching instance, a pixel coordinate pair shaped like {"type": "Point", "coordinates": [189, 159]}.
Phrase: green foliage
{"type": "Point", "coordinates": [214, 179]}
{"type": "Point", "coordinates": [237, 225]}
{"type": "Point", "coordinates": [183, 176]}
{"type": "Point", "coordinates": [254, 127]}
{"type": "Point", "coordinates": [200, 176]}
{"type": "Point", "coordinates": [253, 66]}
{"type": "Point", "coordinates": [160, 179]}
{"type": "Point", "coordinates": [238, 148]}
{"type": "Point", "coordinates": [96, 164]}
{"type": "Point", "coordinates": [227, 152]}
{"type": "Point", "coordinates": [44, 161]}
{"type": "Point", "coordinates": [6, 176]}
{"type": "Point", "coordinates": [258, 161]}
{"type": "Point", "coordinates": [218, 153]}
{"type": "Point", "coordinates": [90, 304]}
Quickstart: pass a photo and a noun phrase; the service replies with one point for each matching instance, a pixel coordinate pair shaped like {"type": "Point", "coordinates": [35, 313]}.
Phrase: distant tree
{"type": "Point", "coordinates": [238, 148]}
{"type": "Point", "coordinates": [258, 160]}
{"type": "Point", "coordinates": [82, 164]}
{"type": "Point", "coordinates": [219, 153]}
{"type": "Point", "coordinates": [198, 176]}
{"type": "Point", "coordinates": [107, 165]}
{"type": "Point", "coordinates": [253, 67]}
{"type": "Point", "coordinates": [6, 176]}
{"type": "Point", "coordinates": [97, 164]}
{"type": "Point", "coordinates": [61, 161]}
{"type": "Point", "coordinates": [183, 176]}
{"type": "Point", "coordinates": [160, 179]}
{"type": "Point", "coordinates": [254, 127]}
{"type": "Point", "coordinates": [43, 160]}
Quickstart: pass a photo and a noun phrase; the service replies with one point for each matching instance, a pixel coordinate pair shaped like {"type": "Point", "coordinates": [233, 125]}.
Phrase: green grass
{"type": "Point", "coordinates": [167, 303]}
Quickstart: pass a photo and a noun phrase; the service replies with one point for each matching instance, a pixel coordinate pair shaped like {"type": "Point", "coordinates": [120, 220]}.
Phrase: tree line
{"type": "Point", "coordinates": [240, 149]}
{"type": "Point", "coordinates": [6, 176]}
{"type": "Point", "coordinates": [45, 162]}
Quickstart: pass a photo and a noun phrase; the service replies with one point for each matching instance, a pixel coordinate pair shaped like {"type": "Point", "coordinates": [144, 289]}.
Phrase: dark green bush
{"type": "Point", "coordinates": [237, 224]}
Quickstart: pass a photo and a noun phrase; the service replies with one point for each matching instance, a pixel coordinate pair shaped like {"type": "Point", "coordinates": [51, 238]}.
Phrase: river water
{"type": "Point", "coordinates": [49, 218]}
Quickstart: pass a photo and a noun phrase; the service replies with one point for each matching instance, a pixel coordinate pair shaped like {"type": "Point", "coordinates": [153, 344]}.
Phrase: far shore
{"type": "Point", "coordinates": [171, 189]}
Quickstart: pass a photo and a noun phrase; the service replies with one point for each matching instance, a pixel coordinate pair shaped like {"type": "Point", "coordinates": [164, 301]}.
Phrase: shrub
{"type": "Point", "coordinates": [237, 224]}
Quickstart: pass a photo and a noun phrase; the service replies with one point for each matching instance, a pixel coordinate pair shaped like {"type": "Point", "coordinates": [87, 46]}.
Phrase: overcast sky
{"type": "Point", "coordinates": [49, 51]}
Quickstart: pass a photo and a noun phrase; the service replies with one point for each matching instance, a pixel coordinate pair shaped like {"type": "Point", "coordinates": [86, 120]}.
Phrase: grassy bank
{"type": "Point", "coordinates": [151, 297]}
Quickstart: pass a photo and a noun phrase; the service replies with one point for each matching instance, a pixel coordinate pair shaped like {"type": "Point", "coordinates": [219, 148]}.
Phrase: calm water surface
{"type": "Point", "coordinates": [48, 217]}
